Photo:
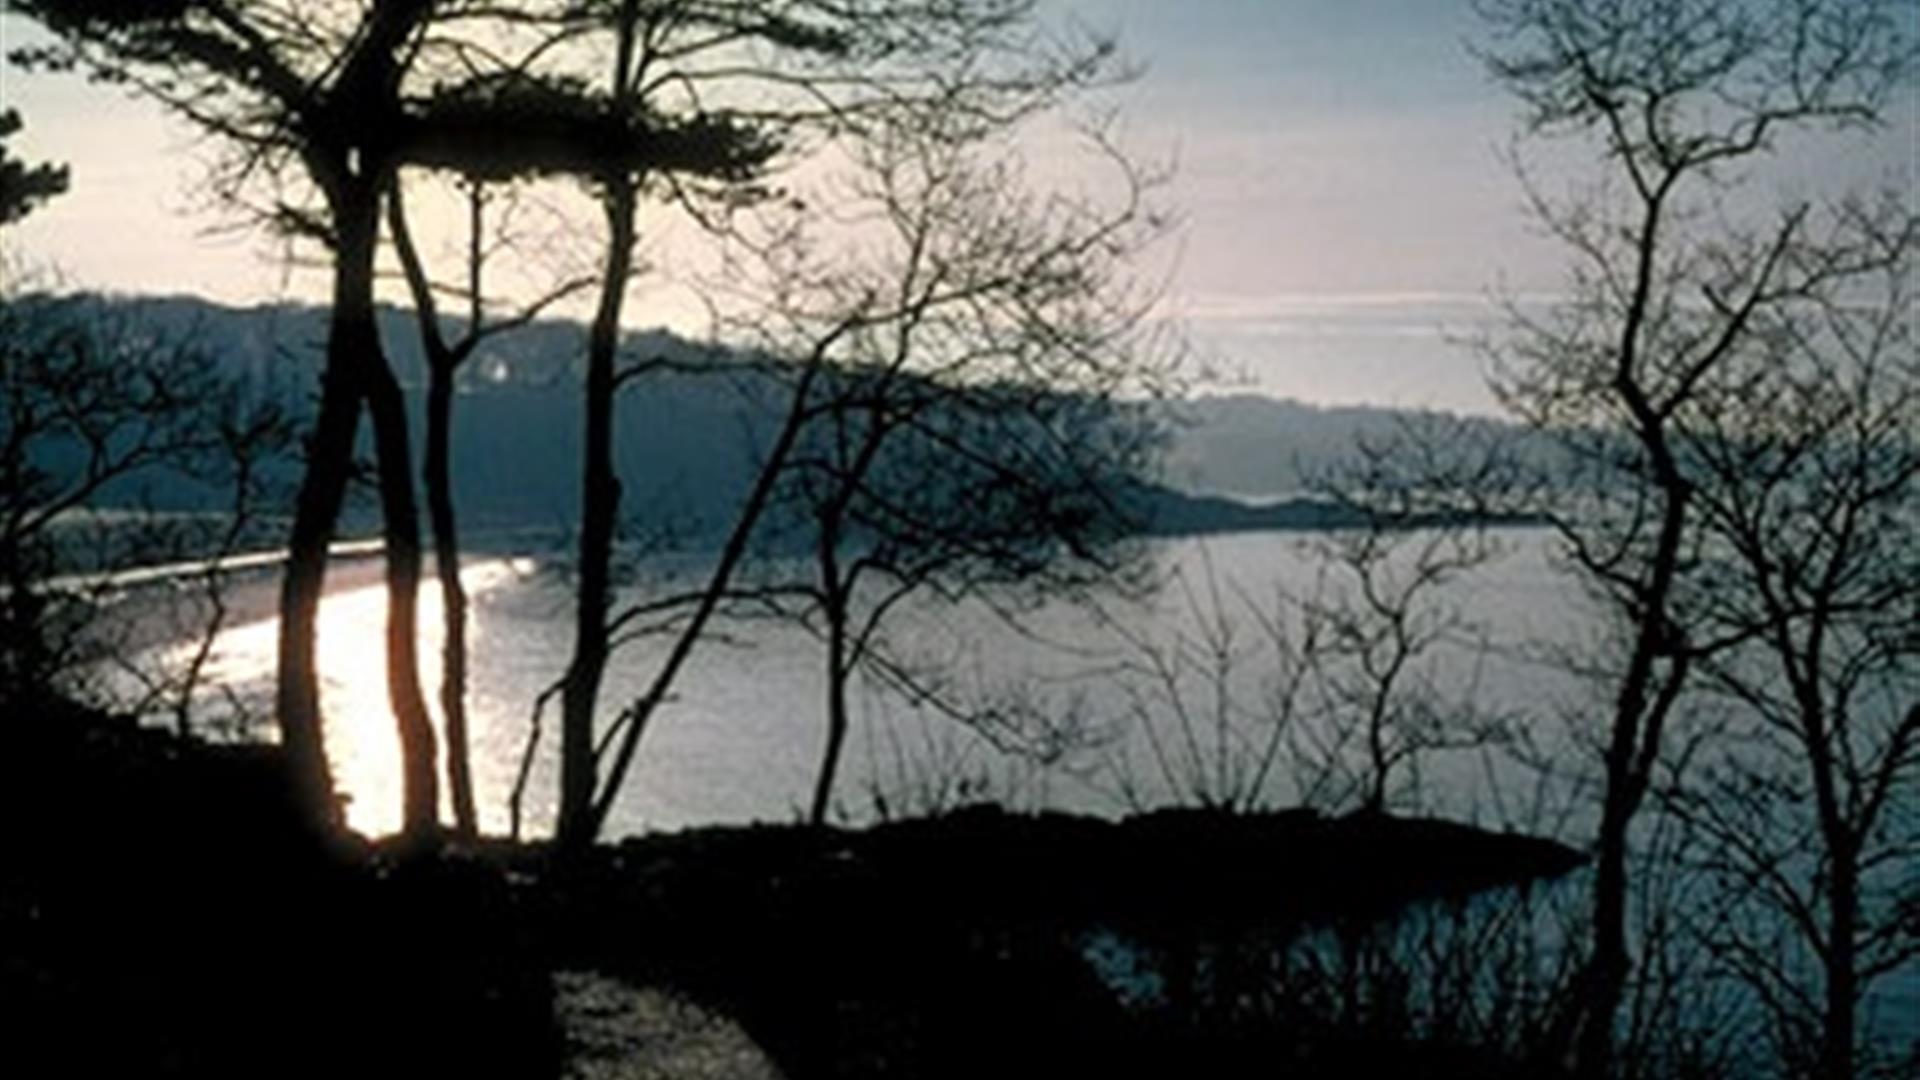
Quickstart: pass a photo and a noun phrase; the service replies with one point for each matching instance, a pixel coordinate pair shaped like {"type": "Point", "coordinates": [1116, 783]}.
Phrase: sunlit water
{"type": "Point", "coordinates": [740, 738]}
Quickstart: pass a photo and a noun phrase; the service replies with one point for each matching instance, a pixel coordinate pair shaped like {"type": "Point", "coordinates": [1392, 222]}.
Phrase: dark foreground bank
{"type": "Point", "coordinates": [164, 912]}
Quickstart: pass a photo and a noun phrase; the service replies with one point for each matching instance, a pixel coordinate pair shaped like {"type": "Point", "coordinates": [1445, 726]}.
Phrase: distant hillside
{"type": "Point", "coordinates": [1259, 449]}
{"type": "Point", "coordinates": [687, 441]}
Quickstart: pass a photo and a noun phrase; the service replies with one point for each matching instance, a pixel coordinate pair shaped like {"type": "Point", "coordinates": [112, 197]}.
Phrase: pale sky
{"type": "Point", "coordinates": [1341, 190]}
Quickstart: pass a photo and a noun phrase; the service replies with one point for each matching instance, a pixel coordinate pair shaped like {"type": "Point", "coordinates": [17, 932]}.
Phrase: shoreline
{"type": "Point", "coordinates": [158, 612]}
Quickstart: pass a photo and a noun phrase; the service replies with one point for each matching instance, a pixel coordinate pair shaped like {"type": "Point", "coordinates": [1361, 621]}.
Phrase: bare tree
{"type": "Point", "coordinates": [1397, 662]}
{"type": "Point", "coordinates": [1216, 702]}
{"type": "Point", "coordinates": [1679, 100]}
{"type": "Point", "coordinates": [703, 101]}
{"type": "Point", "coordinates": [971, 432]}
{"type": "Point", "coordinates": [312, 91]}
{"type": "Point", "coordinates": [1808, 452]}
{"type": "Point", "coordinates": [198, 553]}
{"type": "Point", "coordinates": [98, 406]}
{"type": "Point", "coordinates": [95, 406]}
{"type": "Point", "coordinates": [1349, 673]}
{"type": "Point", "coordinates": [444, 360]}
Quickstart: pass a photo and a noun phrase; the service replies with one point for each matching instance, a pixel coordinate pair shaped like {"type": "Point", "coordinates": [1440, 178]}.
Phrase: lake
{"type": "Point", "coordinates": [1158, 700]}
{"type": "Point", "coordinates": [740, 739]}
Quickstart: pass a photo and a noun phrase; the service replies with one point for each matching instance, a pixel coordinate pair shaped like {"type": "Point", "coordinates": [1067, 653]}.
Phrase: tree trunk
{"type": "Point", "coordinates": [1639, 716]}
{"type": "Point", "coordinates": [1843, 977]}
{"type": "Point", "coordinates": [443, 361]}
{"type": "Point", "coordinates": [401, 515]}
{"type": "Point", "coordinates": [350, 336]}
{"type": "Point", "coordinates": [355, 370]}
{"type": "Point", "coordinates": [438, 479]}
{"type": "Point", "coordinates": [599, 510]}
{"type": "Point", "coordinates": [837, 673]}
{"type": "Point", "coordinates": [1601, 983]}
{"type": "Point", "coordinates": [1376, 797]}
{"type": "Point", "coordinates": [1843, 840]}
{"type": "Point", "coordinates": [731, 553]}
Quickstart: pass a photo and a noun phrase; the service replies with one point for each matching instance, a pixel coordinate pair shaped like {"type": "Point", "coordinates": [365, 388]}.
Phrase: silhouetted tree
{"type": "Point", "coordinates": [1672, 280]}
{"type": "Point", "coordinates": [445, 358]}
{"type": "Point", "coordinates": [90, 403]}
{"type": "Point", "coordinates": [1345, 680]}
{"type": "Point", "coordinates": [320, 86]}
{"type": "Point", "coordinates": [653, 48]}
{"type": "Point", "coordinates": [973, 431]}
{"type": "Point", "coordinates": [703, 101]}
{"type": "Point", "coordinates": [1395, 666]}
{"type": "Point", "coordinates": [23, 655]}
{"type": "Point", "coordinates": [1214, 690]}
{"type": "Point", "coordinates": [1807, 452]}
{"type": "Point", "coordinates": [24, 187]}
{"type": "Point", "coordinates": [94, 406]}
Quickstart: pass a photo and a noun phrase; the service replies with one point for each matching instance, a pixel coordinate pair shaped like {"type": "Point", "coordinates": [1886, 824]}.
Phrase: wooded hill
{"type": "Point", "coordinates": [689, 436]}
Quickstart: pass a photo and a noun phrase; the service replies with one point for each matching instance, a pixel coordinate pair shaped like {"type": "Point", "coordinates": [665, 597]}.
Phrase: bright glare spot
{"type": "Point", "coordinates": [363, 744]}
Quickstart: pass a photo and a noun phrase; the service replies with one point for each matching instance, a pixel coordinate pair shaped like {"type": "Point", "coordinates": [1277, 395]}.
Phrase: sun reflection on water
{"type": "Point", "coordinates": [362, 742]}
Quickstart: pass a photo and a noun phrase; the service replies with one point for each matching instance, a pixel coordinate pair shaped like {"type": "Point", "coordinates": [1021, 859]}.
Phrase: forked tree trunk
{"type": "Point", "coordinates": [355, 371]}
{"type": "Point", "coordinates": [731, 554]}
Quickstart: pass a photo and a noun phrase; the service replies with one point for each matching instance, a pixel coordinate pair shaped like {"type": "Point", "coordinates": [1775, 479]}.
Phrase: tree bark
{"type": "Point", "coordinates": [350, 334]}
{"type": "Point", "coordinates": [356, 370]}
{"type": "Point", "coordinates": [837, 673]}
{"type": "Point", "coordinates": [401, 515]}
{"type": "Point", "coordinates": [1601, 983]}
{"type": "Point", "coordinates": [438, 479]}
{"type": "Point", "coordinates": [1842, 963]}
{"type": "Point", "coordinates": [599, 510]}
{"type": "Point", "coordinates": [436, 476]}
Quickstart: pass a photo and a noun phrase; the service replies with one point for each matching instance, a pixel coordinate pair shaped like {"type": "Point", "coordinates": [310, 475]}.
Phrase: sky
{"type": "Point", "coordinates": [1345, 207]}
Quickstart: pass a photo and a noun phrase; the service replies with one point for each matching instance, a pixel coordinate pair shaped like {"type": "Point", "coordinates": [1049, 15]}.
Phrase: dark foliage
{"type": "Point", "coordinates": [561, 129]}
{"type": "Point", "coordinates": [954, 946]}
{"type": "Point", "coordinates": [143, 902]}
{"type": "Point", "coordinates": [23, 187]}
{"type": "Point", "coordinates": [158, 870]}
